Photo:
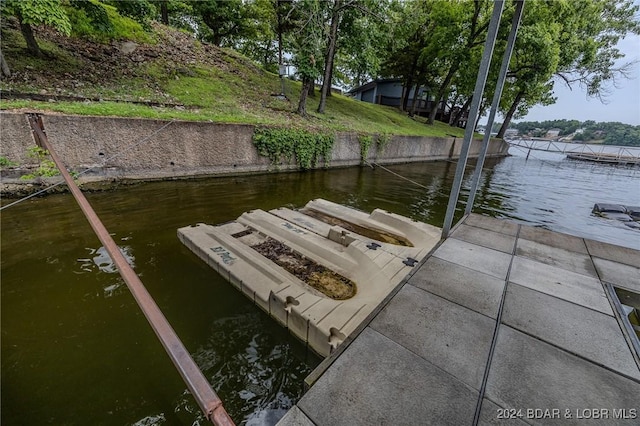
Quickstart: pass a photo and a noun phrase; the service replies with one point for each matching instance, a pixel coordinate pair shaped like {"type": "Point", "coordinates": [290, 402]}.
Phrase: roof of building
{"type": "Point", "coordinates": [372, 84]}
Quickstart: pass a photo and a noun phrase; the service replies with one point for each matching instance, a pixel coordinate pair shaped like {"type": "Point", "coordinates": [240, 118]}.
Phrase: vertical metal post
{"type": "Point", "coordinates": [209, 402]}
{"type": "Point", "coordinates": [483, 71]}
{"type": "Point", "coordinates": [511, 41]}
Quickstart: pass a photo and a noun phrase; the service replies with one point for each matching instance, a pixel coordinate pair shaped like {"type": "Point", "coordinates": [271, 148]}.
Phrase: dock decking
{"type": "Point", "coordinates": [502, 324]}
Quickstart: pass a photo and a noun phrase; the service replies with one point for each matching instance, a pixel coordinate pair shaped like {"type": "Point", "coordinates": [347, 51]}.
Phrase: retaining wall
{"type": "Point", "coordinates": [130, 148]}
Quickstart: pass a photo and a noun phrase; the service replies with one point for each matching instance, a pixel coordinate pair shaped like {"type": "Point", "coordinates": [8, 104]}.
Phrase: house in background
{"type": "Point", "coordinates": [552, 134]}
{"type": "Point", "coordinates": [388, 92]}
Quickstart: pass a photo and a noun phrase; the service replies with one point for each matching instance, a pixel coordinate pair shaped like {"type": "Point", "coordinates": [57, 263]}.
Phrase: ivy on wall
{"type": "Point", "coordinates": [382, 141]}
{"type": "Point", "coordinates": [365, 143]}
{"type": "Point", "coordinates": [281, 143]}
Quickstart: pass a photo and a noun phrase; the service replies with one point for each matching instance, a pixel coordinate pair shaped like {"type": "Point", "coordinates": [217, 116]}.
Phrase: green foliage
{"type": "Point", "coordinates": [221, 86]}
{"type": "Point", "coordinates": [141, 11]}
{"type": "Point", "coordinates": [5, 162]}
{"type": "Point", "coordinates": [305, 146]}
{"type": "Point", "coordinates": [94, 15]}
{"type": "Point", "coordinates": [100, 22]}
{"type": "Point", "coordinates": [46, 167]}
{"type": "Point", "coordinates": [574, 42]}
{"type": "Point", "coordinates": [365, 143]}
{"type": "Point", "coordinates": [226, 21]}
{"type": "Point", "coordinates": [37, 12]}
{"type": "Point", "coordinates": [307, 41]}
{"type": "Point", "coordinates": [382, 141]}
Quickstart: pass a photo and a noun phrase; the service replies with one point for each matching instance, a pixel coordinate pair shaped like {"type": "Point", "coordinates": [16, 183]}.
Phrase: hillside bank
{"type": "Point", "coordinates": [114, 150]}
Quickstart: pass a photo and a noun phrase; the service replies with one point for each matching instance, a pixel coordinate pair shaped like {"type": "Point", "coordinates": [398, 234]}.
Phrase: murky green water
{"type": "Point", "coordinates": [77, 350]}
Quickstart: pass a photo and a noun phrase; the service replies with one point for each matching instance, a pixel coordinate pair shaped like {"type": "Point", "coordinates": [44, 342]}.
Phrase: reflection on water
{"type": "Point", "coordinates": [76, 349]}
{"type": "Point", "coordinates": [100, 259]}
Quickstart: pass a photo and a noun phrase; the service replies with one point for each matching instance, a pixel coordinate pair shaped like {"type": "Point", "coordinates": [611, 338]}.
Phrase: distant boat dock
{"type": "Point", "coordinates": [501, 324]}
{"type": "Point", "coordinates": [609, 154]}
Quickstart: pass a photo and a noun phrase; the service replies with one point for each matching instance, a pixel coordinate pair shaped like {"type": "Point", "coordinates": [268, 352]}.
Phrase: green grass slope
{"type": "Point", "coordinates": [190, 80]}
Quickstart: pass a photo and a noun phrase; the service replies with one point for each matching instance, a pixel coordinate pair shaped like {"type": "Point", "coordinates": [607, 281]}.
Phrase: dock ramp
{"type": "Point", "coordinates": [319, 271]}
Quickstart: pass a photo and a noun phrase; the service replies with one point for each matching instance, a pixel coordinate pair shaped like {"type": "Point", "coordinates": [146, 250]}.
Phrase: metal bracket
{"type": "Point", "coordinates": [410, 261]}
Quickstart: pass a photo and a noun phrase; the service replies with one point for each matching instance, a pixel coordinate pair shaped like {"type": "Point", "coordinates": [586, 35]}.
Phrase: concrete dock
{"type": "Point", "coordinates": [502, 324]}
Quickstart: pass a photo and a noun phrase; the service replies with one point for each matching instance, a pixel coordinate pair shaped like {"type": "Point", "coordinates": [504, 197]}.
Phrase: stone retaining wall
{"type": "Point", "coordinates": [129, 148]}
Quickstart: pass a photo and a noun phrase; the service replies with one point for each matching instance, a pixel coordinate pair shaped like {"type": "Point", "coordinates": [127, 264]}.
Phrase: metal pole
{"type": "Point", "coordinates": [511, 41]}
{"type": "Point", "coordinates": [209, 402]}
{"type": "Point", "coordinates": [483, 71]}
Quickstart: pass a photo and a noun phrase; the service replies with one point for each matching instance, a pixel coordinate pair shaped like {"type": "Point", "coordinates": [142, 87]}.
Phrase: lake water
{"type": "Point", "coordinates": [77, 350]}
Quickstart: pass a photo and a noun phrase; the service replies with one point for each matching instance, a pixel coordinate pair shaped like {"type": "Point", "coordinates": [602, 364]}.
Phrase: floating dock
{"type": "Point", "coordinates": [625, 160]}
{"type": "Point", "coordinates": [319, 271]}
{"type": "Point", "coordinates": [502, 324]}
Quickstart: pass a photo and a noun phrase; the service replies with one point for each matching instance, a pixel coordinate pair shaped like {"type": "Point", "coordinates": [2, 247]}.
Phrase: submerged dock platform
{"type": "Point", "coordinates": [502, 324]}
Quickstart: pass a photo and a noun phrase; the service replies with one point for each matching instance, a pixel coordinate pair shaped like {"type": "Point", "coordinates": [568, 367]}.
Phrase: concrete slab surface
{"type": "Point", "coordinates": [484, 237]}
{"type": "Point", "coordinates": [449, 336]}
{"type": "Point", "coordinates": [466, 287]}
{"type": "Point", "coordinates": [295, 417]}
{"type": "Point", "coordinates": [612, 252]}
{"type": "Point", "coordinates": [567, 285]}
{"type": "Point", "coordinates": [576, 262]}
{"type": "Point", "coordinates": [492, 414]}
{"type": "Point", "coordinates": [553, 239]}
{"type": "Point", "coordinates": [502, 226]}
{"type": "Point", "coordinates": [379, 382]}
{"type": "Point", "coordinates": [625, 276]}
{"type": "Point", "coordinates": [482, 259]}
{"type": "Point", "coordinates": [559, 353]}
{"type": "Point", "coordinates": [527, 373]}
{"type": "Point", "coordinates": [579, 330]}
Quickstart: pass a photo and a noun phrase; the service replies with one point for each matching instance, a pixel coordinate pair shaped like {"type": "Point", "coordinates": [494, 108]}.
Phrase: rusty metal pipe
{"type": "Point", "coordinates": [209, 402]}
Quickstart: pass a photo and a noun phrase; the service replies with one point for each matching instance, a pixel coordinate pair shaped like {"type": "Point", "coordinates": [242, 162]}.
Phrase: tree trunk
{"type": "Point", "coordinates": [454, 102]}
{"type": "Point", "coordinates": [32, 44]}
{"type": "Point", "coordinates": [441, 91]}
{"type": "Point", "coordinates": [4, 66]}
{"type": "Point", "coordinates": [331, 52]}
{"type": "Point", "coordinates": [330, 79]}
{"type": "Point", "coordinates": [302, 104]}
{"type": "Point", "coordinates": [312, 89]}
{"type": "Point", "coordinates": [279, 12]}
{"type": "Point", "coordinates": [413, 102]}
{"type": "Point", "coordinates": [454, 122]}
{"type": "Point", "coordinates": [403, 97]}
{"type": "Point", "coordinates": [509, 115]}
{"type": "Point", "coordinates": [164, 12]}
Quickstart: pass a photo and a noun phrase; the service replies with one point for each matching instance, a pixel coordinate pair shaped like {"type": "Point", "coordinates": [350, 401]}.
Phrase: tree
{"type": "Point", "coordinates": [332, 40]}
{"type": "Point", "coordinates": [225, 20]}
{"type": "Point", "coordinates": [434, 44]}
{"type": "Point", "coordinates": [177, 13]}
{"type": "Point", "coordinates": [37, 12]}
{"type": "Point", "coordinates": [409, 24]}
{"type": "Point", "coordinates": [306, 45]}
{"type": "Point", "coordinates": [469, 20]}
{"type": "Point", "coordinates": [339, 10]}
{"type": "Point", "coordinates": [361, 50]}
{"type": "Point", "coordinates": [573, 42]}
{"type": "Point", "coordinates": [263, 41]}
